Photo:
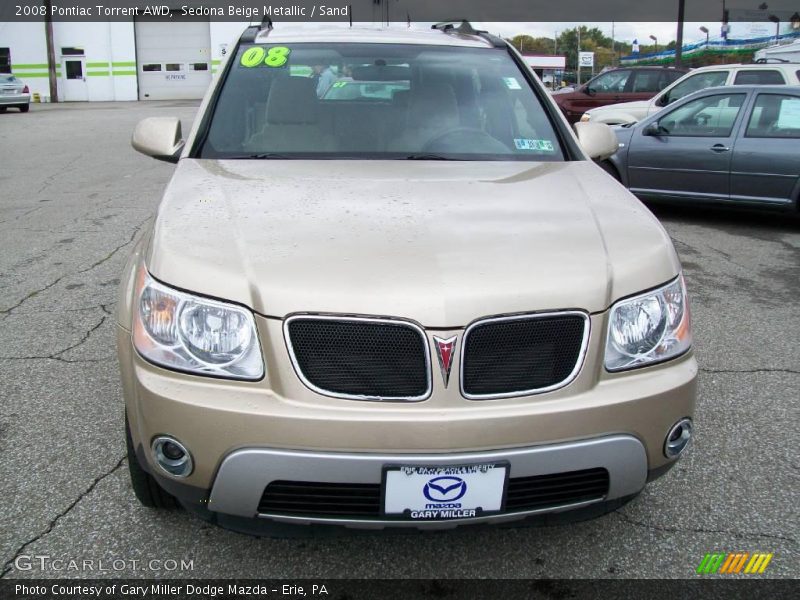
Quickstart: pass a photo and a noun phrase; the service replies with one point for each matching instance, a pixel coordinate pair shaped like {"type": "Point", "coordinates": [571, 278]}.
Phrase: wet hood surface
{"type": "Point", "coordinates": [441, 243]}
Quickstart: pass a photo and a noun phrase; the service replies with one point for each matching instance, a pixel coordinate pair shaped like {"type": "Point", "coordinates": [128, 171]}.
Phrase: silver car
{"type": "Point", "coordinates": [14, 93]}
{"type": "Point", "coordinates": [737, 144]}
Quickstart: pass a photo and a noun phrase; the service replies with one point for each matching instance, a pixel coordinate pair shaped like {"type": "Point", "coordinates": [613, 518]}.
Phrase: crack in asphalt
{"type": "Point", "coordinates": [7, 566]}
{"type": "Point", "coordinates": [136, 231]}
{"type": "Point", "coordinates": [669, 529]}
{"type": "Point", "coordinates": [759, 370]}
{"type": "Point", "coordinates": [58, 355]}
{"type": "Point", "coordinates": [7, 311]}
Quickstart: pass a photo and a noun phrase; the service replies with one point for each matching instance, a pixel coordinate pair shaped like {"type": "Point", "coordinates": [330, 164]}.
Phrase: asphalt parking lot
{"type": "Point", "coordinates": [74, 195]}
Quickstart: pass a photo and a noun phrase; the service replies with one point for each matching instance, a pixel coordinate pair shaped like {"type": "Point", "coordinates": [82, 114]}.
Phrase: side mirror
{"type": "Point", "coordinates": [588, 91]}
{"type": "Point", "coordinates": [598, 140]}
{"type": "Point", "coordinates": [159, 137]}
{"type": "Point", "coordinates": [663, 101]}
{"type": "Point", "coordinates": [653, 129]}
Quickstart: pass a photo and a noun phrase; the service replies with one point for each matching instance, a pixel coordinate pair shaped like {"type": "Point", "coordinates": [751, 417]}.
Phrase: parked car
{"type": "Point", "coordinates": [735, 144]}
{"type": "Point", "coordinates": [416, 313]}
{"type": "Point", "coordinates": [616, 85]}
{"type": "Point", "coordinates": [13, 93]}
{"type": "Point", "coordinates": [698, 79]}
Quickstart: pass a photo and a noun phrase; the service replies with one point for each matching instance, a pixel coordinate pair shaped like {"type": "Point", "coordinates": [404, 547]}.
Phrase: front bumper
{"type": "Point", "coordinates": [243, 435]}
{"type": "Point", "coordinates": [241, 479]}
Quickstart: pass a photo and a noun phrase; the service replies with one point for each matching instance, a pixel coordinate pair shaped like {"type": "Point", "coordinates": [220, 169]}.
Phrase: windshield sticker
{"type": "Point", "coordinates": [258, 56]}
{"type": "Point", "coordinates": [339, 84]}
{"type": "Point", "coordinates": [512, 83]}
{"type": "Point", "coordinates": [536, 145]}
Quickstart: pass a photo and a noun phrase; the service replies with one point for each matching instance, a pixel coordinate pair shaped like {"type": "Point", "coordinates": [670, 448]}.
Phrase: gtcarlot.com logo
{"type": "Point", "coordinates": [44, 562]}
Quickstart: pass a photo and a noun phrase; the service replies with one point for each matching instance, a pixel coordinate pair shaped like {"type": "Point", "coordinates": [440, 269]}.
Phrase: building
{"type": "Point", "coordinates": [549, 68]}
{"type": "Point", "coordinates": [127, 60]}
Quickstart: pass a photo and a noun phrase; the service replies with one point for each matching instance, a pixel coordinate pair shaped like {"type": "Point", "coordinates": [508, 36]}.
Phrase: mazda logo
{"type": "Point", "coordinates": [445, 489]}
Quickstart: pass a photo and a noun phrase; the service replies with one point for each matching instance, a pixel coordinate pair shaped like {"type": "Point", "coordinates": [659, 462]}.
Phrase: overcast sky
{"type": "Point", "coordinates": [624, 32]}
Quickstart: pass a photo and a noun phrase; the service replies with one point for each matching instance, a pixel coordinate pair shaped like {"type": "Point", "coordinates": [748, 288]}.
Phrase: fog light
{"type": "Point", "coordinates": [678, 438]}
{"type": "Point", "coordinates": [172, 456]}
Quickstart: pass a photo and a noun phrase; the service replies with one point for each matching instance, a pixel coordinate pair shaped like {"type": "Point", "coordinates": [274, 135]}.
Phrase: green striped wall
{"type": "Point", "coordinates": [93, 69]}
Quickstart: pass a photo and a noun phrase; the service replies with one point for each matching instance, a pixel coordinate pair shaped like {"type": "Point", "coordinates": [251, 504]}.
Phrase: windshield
{"type": "Point", "coordinates": [378, 101]}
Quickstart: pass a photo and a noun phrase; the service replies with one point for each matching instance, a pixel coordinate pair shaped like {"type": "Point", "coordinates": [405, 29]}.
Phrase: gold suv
{"type": "Point", "coordinates": [388, 286]}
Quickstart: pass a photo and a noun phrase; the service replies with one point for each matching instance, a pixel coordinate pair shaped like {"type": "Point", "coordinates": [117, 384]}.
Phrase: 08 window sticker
{"type": "Point", "coordinates": [260, 56]}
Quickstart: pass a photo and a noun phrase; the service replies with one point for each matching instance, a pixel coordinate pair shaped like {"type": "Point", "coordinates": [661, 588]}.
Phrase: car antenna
{"type": "Point", "coordinates": [350, 14]}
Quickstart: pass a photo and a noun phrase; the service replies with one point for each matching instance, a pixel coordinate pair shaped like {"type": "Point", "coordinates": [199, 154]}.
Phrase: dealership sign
{"type": "Point", "coordinates": [586, 59]}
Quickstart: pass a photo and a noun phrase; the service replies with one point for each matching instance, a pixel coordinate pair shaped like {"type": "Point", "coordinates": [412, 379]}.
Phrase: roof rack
{"type": "Point", "coordinates": [251, 33]}
{"type": "Point", "coordinates": [466, 28]}
{"type": "Point", "coordinates": [763, 61]}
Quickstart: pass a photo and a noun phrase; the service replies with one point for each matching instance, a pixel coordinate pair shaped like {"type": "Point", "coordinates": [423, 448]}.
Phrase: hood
{"type": "Point", "coordinates": [442, 243]}
{"type": "Point", "coordinates": [642, 104]}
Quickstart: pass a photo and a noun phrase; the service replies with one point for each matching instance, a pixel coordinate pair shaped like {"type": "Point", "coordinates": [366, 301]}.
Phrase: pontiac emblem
{"type": "Point", "coordinates": [445, 350]}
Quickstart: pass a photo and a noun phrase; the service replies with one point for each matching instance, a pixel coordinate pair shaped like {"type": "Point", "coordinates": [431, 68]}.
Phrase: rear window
{"type": "Point", "coordinates": [8, 79]}
{"type": "Point", "coordinates": [765, 77]}
{"type": "Point", "coordinates": [378, 101]}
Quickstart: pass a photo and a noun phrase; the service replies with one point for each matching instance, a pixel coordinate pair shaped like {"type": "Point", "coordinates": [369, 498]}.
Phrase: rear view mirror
{"type": "Point", "coordinates": [159, 137]}
{"type": "Point", "coordinates": [598, 140]}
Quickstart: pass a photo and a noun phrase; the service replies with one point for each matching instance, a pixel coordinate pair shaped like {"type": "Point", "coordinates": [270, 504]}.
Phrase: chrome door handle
{"type": "Point", "coordinates": [719, 148]}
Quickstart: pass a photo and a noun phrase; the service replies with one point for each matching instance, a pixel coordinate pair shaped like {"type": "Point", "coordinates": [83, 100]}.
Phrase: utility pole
{"type": "Point", "coordinates": [679, 41]}
{"type": "Point", "coordinates": [613, 47]}
{"type": "Point", "coordinates": [51, 53]}
{"type": "Point", "coordinates": [578, 55]}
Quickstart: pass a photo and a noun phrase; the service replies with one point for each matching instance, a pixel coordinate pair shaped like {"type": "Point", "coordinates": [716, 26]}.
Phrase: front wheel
{"type": "Point", "coordinates": [146, 488]}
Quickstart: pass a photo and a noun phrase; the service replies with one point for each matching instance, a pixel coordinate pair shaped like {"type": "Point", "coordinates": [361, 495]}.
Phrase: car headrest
{"type": "Point", "coordinates": [292, 100]}
{"type": "Point", "coordinates": [433, 105]}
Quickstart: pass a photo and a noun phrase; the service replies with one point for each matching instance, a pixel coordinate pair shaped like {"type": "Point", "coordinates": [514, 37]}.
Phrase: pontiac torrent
{"type": "Point", "coordinates": [423, 307]}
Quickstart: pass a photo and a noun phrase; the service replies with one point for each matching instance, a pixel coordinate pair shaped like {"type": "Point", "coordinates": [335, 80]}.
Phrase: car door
{"type": "Point", "coordinates": [765, 166]}
{"type": "Point", "coordinates": [646, 83]}
{"type": "Point", "coordinates": [689, 85]}
{"type": "Point", "coordinates": [608, 88]}
{"type": "Point", "coordinates": [685, 151]}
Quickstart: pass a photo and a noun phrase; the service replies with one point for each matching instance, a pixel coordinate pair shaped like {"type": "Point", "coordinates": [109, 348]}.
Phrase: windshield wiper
{"type": "Point", "coordinates": [425, 156]}
{"type": "Point", "coordinates": [264, 156]}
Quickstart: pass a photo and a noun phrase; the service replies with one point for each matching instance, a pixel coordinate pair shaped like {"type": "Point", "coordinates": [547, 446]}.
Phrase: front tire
{"type": "Point", "coordinates": [146, 488]}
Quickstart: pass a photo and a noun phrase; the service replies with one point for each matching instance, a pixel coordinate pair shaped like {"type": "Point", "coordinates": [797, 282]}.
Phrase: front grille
{"type": "Point", "coordinates": [357, 358]}
{"type": "Point", "coordinates": [541, 491]}
{"type": "Point", "coordinates": [363, 500]}
{"type": "Point", "coordinates": [521, 355]}
{"type": "Point", "coordinates": [316, 498]}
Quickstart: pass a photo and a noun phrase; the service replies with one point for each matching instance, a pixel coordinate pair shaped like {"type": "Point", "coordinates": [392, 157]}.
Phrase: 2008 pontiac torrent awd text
{"type": "Point", "coordinates": [387, 286]}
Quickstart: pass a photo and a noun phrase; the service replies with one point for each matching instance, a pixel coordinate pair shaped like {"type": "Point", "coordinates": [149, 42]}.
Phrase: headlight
{"type": "Point", "coordinates": [586, 117]}
{"type": "Point", "coordinates": [649, 328]}
{"type": "Point", "coordinates": [189, 333]}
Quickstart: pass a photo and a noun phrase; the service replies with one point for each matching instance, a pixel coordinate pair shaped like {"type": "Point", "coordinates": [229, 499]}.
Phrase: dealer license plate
{"type": "Point", "coordinates": [441, 493]}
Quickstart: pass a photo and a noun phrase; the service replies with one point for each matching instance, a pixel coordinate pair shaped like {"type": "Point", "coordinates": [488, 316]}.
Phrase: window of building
{"type": "Point", "coordinates": [149, 67]}
{"type": "Point", "coordinates": [5, 60]}
{"type": "Point", "coordinates": [174, 67]}
{"type": "Point", "coordinates": [71, 51]}
{"type": "Point", "coordinates": [199, 66]}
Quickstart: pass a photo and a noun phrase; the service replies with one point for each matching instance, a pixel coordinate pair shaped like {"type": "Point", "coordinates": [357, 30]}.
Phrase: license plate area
{"type": "Point", "coordinates": [442, 493]}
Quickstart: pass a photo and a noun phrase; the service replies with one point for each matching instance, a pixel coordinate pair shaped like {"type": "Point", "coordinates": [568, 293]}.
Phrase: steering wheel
{"type": "Point", "coordinates": [464, 137]}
